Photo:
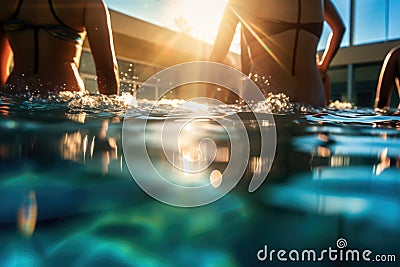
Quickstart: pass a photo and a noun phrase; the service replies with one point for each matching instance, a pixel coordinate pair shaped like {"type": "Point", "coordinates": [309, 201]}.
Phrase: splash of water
{"type": "Point", "coordinates": [75, 103]}
{"type": "Point", "coordinates": [102, 105]}
{"type": "Point", "coordinates": [94, 103]}
{"type": "Point", "coordinates": [340, 105]}
{"type": "Point", "coordinates": [72, 102]}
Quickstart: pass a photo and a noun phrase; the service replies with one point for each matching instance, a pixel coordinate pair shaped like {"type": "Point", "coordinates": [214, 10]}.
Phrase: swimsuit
{"type": "Point", "coordinates": [61, 31]}
{"type": "Point", "coordinates": [263, 28]}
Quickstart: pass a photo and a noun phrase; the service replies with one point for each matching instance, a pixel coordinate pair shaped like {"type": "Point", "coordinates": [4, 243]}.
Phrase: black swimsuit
{"type": "Point", "coordinates": [60, 31]}
{"type": "Point", "coordinates": [272, 27]}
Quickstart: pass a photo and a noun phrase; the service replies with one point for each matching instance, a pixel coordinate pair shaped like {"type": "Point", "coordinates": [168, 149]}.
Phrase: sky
{"type": "Point", "coordinates": [199, 18]}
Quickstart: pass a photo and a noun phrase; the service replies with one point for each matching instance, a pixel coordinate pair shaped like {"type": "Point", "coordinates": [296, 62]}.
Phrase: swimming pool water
{"type": "Point", "coordinates": [68, 199]}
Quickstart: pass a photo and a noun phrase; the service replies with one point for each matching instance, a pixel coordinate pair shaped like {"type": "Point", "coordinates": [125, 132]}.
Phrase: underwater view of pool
{"type": "Point", "coordinates": [68, 198]}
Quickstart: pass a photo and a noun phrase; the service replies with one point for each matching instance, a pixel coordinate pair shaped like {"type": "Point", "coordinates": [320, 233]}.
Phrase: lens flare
{"type": "Point", "coordinates": [180, 160]}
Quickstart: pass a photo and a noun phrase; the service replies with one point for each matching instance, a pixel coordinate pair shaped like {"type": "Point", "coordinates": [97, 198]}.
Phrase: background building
{"type": "Point", "coordinates": [143, 49]}
{"type": "Point", "coordinates": [372, 29]}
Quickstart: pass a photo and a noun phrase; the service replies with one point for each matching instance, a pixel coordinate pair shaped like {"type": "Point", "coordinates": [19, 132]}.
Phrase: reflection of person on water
{"type": "Point", "coordinates": [281, 39]}
{"type": "Point", "coordinates": [46, 41]}
{"type": "Point", "coordinates": [104, 147]}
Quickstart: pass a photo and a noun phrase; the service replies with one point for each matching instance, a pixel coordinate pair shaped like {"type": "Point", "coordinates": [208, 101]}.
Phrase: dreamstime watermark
{"type": "Point", "coordinates": [338, 253]}
{"type": "Point", "coordinates": [187, 147]}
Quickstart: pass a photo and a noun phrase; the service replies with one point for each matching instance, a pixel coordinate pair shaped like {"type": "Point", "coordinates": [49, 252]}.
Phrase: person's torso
{"type": "Point", "coordinates": [46, 37]}
{"type": "Point", "coordinates": [282, 38]}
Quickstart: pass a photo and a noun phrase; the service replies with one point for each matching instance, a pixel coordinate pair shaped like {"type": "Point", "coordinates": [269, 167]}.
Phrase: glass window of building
{"type": "Point", "coordinates": [144, 72]}
{"type": "Point", "coordinates": [90, 84]}
{"type": "Point", "coordinates": [365, 82]}
{"type": "Point", "coordinates": [394, 19]}
{"type": "Point", "coordinates": [338, 80]}
{"type": "Point", "coordinates": [370, 21]}
{"type": "Point", "coordinates": [343, 7]}
{"type": "Point", "coordinates": [87, 63]}
{"type": "Point", "coordinates": [87, 71]}
{"type": "Point", "coordinates": [127, 75]}
{"type": "Point", "coordinates": [126, 70]}
{"type": "Point", "coordinates": [132, 74]}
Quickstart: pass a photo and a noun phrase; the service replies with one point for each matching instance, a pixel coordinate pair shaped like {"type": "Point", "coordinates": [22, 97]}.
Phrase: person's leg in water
{"type": "Point", "coordinates": [388, 78]}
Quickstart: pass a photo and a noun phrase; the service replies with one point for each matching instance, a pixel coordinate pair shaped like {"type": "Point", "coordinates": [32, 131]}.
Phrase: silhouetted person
{"type": "Point", "coordinates": [46, 39]}
{"type": "Point", "coordinates": [282, 39]}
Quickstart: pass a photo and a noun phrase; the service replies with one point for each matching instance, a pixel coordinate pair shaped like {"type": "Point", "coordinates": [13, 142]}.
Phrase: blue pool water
{"type": "Point", "coordinates": [68, 199]}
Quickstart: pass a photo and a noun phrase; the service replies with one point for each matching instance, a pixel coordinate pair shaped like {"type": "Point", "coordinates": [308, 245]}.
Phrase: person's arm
{"type": "Point", "coordinates": [98, 27]}
{"type": "Point", "coordinates": [5, 58]}
{"type": "Point", "coordinates": [225, 35]}
{"type": "Point", "coordinates": [334, 20]}
{"type": "Point", "coordinates": [244, 54]}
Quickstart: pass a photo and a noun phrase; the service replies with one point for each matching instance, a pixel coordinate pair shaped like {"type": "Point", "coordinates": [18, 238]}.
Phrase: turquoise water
{"type": "Point", "coordinates": [68, 198]}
